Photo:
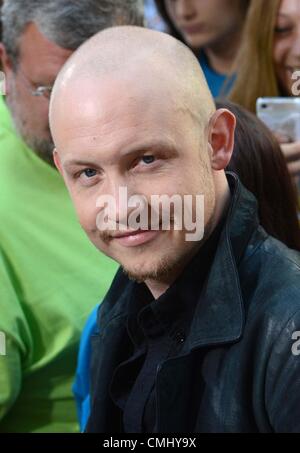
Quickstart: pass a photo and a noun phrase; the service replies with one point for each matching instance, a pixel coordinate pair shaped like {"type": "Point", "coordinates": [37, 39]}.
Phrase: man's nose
{"type": "Point", "coordinates": [120, 191]}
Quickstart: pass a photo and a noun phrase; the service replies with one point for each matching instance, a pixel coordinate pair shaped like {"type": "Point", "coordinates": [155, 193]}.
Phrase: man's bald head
{"type": "Point", "coordinates": [152, 63]}
{"type": "Point", "coordinates": [131, 110]}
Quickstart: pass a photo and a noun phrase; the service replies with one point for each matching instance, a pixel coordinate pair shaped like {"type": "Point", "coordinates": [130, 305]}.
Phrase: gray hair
{"type": "Point", "coordinates": [67, 23]}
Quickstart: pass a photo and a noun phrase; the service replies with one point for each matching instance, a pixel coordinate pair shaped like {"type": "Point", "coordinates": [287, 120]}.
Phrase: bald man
{"type": "Point", "coordinates": [198, 332]}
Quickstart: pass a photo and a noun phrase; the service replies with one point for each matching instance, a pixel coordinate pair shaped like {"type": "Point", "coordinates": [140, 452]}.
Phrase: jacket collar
{"type": "Point", "coordinates": [219, 316]}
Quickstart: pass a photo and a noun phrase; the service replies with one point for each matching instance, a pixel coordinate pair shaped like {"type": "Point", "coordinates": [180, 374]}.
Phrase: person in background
{"type": "Point", "coordinates": [50, 275]}
{"type": "Point", "coordinates": [260, 164]}
{"type": "Point", "coordinates": [212, 29]}
{"type": "Point", "coordinates": [269, 56]}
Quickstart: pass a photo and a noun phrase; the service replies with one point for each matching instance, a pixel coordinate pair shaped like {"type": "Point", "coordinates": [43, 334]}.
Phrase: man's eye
{"type": "Point", "coordinates": [89, 173]}
{"type": "Point", "coordinates": [148, 159]}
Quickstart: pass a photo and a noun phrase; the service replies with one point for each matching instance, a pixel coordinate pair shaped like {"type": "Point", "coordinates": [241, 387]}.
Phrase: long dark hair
{"type": "Point", "coordinates": [258, 161]}
{"type": "Point", "coordinates": [161, 8]}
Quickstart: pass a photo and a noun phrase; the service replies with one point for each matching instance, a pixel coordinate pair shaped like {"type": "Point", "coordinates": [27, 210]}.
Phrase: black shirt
{"type": "Point", "coordinates": [157, 329]}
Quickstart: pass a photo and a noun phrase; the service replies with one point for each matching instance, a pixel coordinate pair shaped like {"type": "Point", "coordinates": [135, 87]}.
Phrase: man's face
{"type": "Point", "coordinates": [39, 63]}
{"type": "Point", "coordinates": [124, 139]}
{"type": "Point", "coordinates": [204, 23]}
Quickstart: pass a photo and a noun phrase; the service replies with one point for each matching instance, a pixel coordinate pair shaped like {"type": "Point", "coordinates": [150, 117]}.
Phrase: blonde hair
{"type": "Point", "coordinates": [255, 67]}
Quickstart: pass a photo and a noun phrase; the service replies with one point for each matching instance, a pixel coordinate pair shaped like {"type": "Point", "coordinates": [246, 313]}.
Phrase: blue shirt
{"type": "Point", "coordinates": [81, 387]}
{"type": "Point", "coordinates": [214, 79]}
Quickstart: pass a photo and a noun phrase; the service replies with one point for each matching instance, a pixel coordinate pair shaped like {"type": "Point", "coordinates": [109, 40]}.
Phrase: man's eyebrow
{"type": "Point", "coordinates": [78, 162]}
{"type": "Point", "coordinates": [150, 146]}
{"type": "Point", "coordinates": [154, 146]}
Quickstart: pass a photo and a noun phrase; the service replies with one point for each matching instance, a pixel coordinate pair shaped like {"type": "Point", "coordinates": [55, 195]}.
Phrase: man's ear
{"type": "Point", "coordinates": [57, 161]}
{"type": "Point", "coordinates": [221, 138]}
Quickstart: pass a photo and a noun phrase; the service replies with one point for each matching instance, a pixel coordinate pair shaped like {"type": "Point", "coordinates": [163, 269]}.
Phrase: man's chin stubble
{"type": "Point", "coordinates": [161, 271]}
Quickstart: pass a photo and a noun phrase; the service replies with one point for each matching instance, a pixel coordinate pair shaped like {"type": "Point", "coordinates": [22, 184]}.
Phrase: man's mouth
{"type": "Point", "coordinates": [134, 238]}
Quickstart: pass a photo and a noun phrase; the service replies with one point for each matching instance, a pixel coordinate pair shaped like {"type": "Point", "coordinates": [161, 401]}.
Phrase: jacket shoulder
{"type": "Point", "coordinates": [270, 278]}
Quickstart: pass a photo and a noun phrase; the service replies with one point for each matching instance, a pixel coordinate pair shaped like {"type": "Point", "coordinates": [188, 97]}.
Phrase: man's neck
{"type": "Point", "coordinates": [160, 285]}
{"type": "Point", "coordinates": [157, 288]}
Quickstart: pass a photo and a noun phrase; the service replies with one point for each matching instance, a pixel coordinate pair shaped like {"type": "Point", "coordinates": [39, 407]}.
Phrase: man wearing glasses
{"type": "Point", "coordinates": [50, 276]}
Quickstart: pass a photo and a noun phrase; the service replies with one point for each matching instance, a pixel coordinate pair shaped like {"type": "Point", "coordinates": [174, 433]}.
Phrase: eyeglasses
{"type": "Point", "coordinates": [40, 91]}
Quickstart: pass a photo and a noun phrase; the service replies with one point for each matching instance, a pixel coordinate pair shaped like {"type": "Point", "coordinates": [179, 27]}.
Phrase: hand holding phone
{"type": "Point", "coordinates": [282, 116]}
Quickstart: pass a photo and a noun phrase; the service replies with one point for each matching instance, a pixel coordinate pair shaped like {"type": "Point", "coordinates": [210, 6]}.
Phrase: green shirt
{"type": "Point", "coordinates": [50, 279]}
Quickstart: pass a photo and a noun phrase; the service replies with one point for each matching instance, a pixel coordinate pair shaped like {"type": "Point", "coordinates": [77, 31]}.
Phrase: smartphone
{"type": "Point", "coordinates": [281, 115]}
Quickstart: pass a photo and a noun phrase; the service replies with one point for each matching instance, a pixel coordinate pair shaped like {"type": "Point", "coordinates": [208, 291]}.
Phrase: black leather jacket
{"type": "Point", "coordinates": [240, 368]}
